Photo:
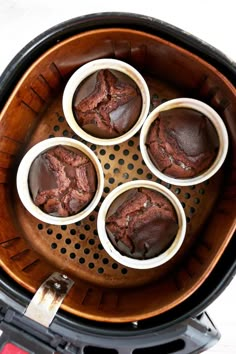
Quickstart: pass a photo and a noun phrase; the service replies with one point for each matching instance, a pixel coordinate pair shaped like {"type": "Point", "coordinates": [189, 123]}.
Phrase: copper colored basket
{"type": "Point", "coordinates": [31, 250]}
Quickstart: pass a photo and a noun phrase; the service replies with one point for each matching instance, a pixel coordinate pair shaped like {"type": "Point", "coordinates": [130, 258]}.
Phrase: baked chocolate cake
{"type": "Point", "coordinates": [107, 104]}
{"type": "Point", "coordinates": [62, 181]}
{"type": "Point", "coordinates": [182, 142]}
{"type": "Point", "coordinates": [141, 223]}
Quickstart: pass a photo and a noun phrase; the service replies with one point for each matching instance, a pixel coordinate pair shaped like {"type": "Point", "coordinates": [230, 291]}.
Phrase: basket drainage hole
{"type": "Point", "coordinates": [72, 231]}
{"type": "Point", "coordinates": [100, 247]}
{"type": "Point", "coordinates": [82, 237]}
{"type": "Point", "coordinates": [130, 143]}
{"type": "Point", "coordinates": [91, 217]}
{"type": "Point", "coordinates": [68, 241]}
{"type": "Point", "coordinates": [72, 255]}
{"type": "Point", "coordinates": [111, 180]}
{"type": "Point", "coordinates": [112, 157]}
{"type": "Point", "coordinates": [49, 231]}
{"type": "Point", "coordinates": [77, 246]}
{"type": "Point", "coordinates": [124, 271]}
{"type": "Point", "coordinates": [114, 265]}
{"type": "Point", "coordinates": [139, 171]}
{"type": "Point", "coordinates": [82, 260]}
{"type": "Point", "coordinates": [177, 190]}
{"type": "Point", "coordinates": [187, 195]}
{"type": "Point", "coordinates": [65, 133]}
{"type": "Point", "coordinates": [87, 227]}
{"type": "Point", "coordinates": [107, 166]}
{"type": "Point", "coordinates": [61, 119]}
{"type": "Point", "coordinates": [125, 175]}
{"type": "Point", "coordinates": [196, 200]}
{"type": "Point", "coordinates": [91, 265]}
{"type": "Point", "coordinates": [96, 256]}
{"type": "Point", "coordinates": [154, 99]}
{"type": "Point", "coordinates": [53, 246]}
{"type": "Point", "coordinates": [130, 166]}
{"type": "Point", "coordinates": [59, 236]}
{"type": "Point", "coordinates": [100, 270]}
{"type": "Point", "coordinates": [91, 242]}
{"type": "Point", "coordinates": [63, 227]}
{"type": "Point", "coordinates": [121, 162]}
{"type": "Point", "coordinates": [135, 157]}
{"type": "Point", "coordinates": [106, 190]}
{"type": "Point", "coordinates": [86, 250]}
{"type": "Point", "coordinates": [63, 250]}
{"type": "Point", "coordinates": [126, 152]}
{"type": "Point", "coordinates": [102, 152]}
{"type": "Point", "coordinates": [56, 128]}
{"type": "Point", "coordinates": [40, 226]}
{"type": "Point", "coordinates": [105, 261]}
{"type": "Point", "coordinates": [201, 191]}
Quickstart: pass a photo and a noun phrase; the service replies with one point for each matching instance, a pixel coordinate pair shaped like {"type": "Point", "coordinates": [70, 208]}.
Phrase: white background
{"type": "Point", "coordinates": [211, 20]}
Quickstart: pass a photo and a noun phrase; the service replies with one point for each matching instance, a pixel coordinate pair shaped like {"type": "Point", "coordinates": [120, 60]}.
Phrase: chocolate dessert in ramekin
{"type": "Point", "coordinates": [106, 101]}
{"type": "Point", "coordinates": [141, 224]}
{"type": "Point", "coordinates": [184, 141]}
{"type": "Point", "coordinates": [60, 181]}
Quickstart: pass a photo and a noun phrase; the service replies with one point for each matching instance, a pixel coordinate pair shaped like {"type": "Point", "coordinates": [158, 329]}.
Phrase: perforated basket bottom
{"type": "Point", "coordinates": [76, 248]}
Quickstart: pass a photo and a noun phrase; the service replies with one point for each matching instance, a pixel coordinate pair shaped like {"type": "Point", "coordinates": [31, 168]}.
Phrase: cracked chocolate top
{"type": "Point", "coordinates": [107, 104]}
{"type": "Point", "coordinates": [141, 223]}
{"type": "Point", "coordinates": [62, 181]}
{"type": "Point", "coordinates": [182, 142]}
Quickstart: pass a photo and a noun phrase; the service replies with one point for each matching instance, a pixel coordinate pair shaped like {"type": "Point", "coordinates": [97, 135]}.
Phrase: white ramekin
{"type": "Point", "coordinates": [128, 261]}
{"type": "Point", "coordinates": [215, 119]}
{"type": "Point", "coordinates": [85, 71]}
{"type": "Point", "coordinates": [23, 186]}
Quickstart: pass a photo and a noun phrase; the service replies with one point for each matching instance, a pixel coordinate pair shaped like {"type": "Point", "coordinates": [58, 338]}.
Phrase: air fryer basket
{"type": "Point", "coordinates": [31, 250]}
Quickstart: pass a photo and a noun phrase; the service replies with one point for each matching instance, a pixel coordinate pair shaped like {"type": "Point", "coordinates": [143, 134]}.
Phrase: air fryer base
{"type": "Point", "coordinates": [190, 336]}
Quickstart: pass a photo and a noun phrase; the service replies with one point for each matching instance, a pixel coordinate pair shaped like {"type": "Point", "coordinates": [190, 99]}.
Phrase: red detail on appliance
{"type": "Point", "coordinates": [12, 349]}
